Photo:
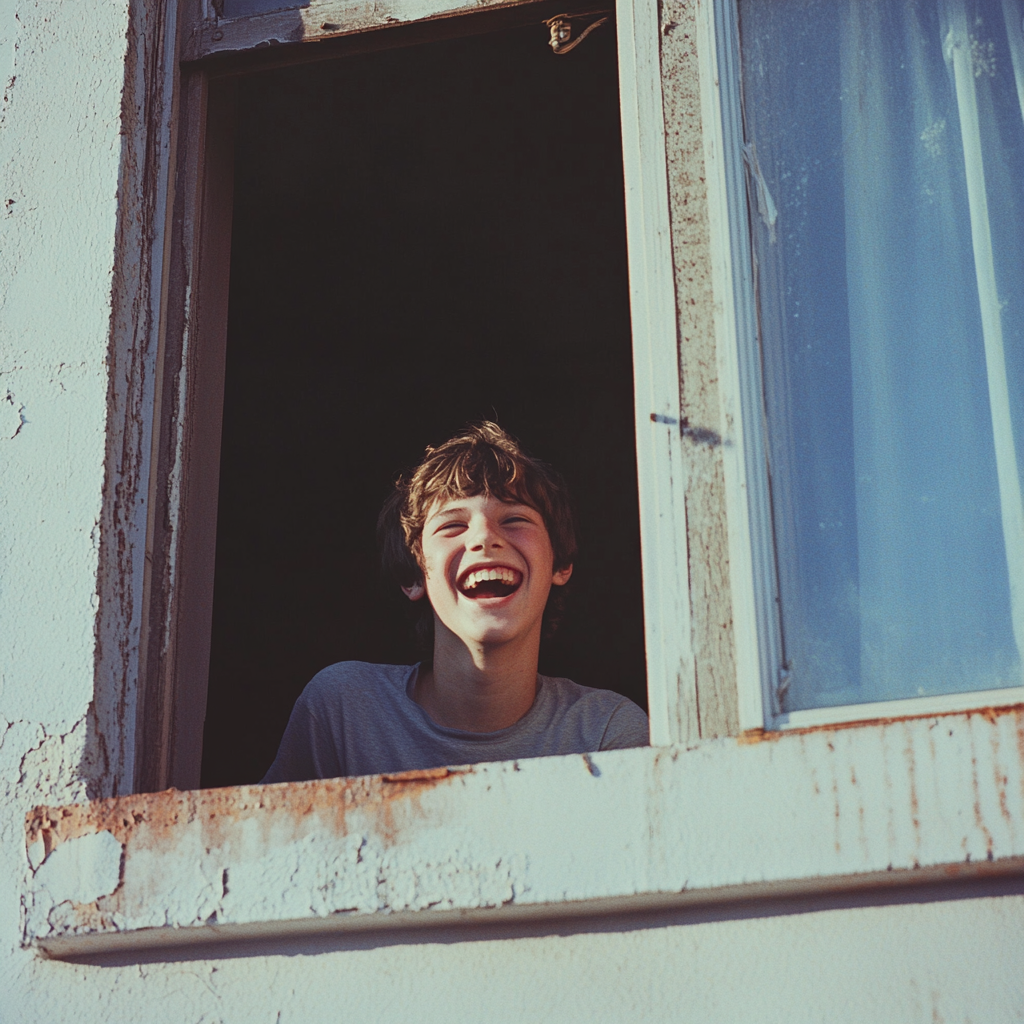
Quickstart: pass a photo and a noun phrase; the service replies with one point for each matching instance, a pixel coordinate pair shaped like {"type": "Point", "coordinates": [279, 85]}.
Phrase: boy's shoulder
{"type": "Point", "coordinates": [610, 719]}
{"type": "Point", "coordinates": [570, 692]}
{"type": "Point", "coordinates": [350, 679]}
{"type": "Point", "coordinates": [354, 671]}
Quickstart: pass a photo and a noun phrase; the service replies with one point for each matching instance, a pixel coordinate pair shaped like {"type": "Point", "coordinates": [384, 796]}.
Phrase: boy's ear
{"type": "Point", "coordinates": [416, 591]}
{"type": "Point", "coordinates": [561, 577]}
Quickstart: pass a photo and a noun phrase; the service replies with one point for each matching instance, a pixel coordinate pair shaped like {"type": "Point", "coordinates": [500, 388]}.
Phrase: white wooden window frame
{"type": "Point", "coordinates": [671, 669]}
{"type": "Point", "coordinates": [749, 514]}
{"type": "Point", "coordinates": [186, 460]}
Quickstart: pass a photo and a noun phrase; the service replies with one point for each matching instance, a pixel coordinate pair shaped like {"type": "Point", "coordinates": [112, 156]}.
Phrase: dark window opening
{"type": "Point", "coordinates": [421, 237]}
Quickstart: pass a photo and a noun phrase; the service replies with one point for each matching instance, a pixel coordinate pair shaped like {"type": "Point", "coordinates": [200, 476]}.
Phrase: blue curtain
{"type": "Point", "coordinates": [890, 138]}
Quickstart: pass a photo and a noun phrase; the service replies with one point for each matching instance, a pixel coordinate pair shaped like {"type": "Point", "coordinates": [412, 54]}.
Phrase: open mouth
{"type": "Point", "coordinates": [495, 581]}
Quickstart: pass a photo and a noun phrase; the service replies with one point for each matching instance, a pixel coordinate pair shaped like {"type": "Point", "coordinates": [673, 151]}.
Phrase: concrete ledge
{"type": "Point", "coordinates": [816, 811]}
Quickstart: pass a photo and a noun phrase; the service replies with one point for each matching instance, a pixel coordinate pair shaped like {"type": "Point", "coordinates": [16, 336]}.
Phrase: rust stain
{"type": "Point", "coordinates": [423, 774]}
{"type": "Point", "coordinates": [152, 820]}
{"type": "Point", "coordinates": [890, 824]}
{"type": "Point", "coordinates": [835, 797]}
{"type": "Point", "coordinates": [1020, 750]}
{"type": "Point", "coordinates": [400, 793]}
{"type": "Point", "coordinates": [756, 736]}
{"type": "Point", "coordinates": [915, 809]}
{"type": "Point", "coordinates": [1001, 779]}
{"type": "Point", "coordinates": [990, 714]}
{"type": "Point", "coordinates": [978, 817]}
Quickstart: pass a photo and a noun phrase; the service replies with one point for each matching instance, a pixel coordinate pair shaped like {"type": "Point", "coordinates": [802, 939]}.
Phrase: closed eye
{"type": "Point", "coordinates": [452, 526]}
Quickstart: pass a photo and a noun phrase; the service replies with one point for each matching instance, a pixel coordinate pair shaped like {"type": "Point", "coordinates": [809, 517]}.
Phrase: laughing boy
{"type": "Point", "coordinates": [482, 536]}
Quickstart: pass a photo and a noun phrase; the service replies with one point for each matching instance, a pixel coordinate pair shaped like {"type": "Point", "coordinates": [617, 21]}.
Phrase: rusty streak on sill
{"type": "Point", "coordinates": [425, 774]}
{"type": "Point", "coordinates": [990, 713]}
{"type": "Point", "coordinates": [163, 811]}
{"type": "Point", "coordinates": [122, 816]}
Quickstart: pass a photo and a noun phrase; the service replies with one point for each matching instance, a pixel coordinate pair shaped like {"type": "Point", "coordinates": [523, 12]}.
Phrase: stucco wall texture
{"type": "Point", "coordinates": [935, 962]}
{"type": "Point", "coordinates": [62, 73]}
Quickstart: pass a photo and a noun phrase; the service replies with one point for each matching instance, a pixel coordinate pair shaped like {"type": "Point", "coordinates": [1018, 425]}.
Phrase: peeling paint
{"type": "Point", "coordinates": [82, 870]}
{"type": "Point", "coordinates": [12, 417]}
{"type": "Point", "coordinates": [645, 824]}
{"type": "Point", "coordinates": [321, 19]}
{"type": "Point", "coordinates": [132, 356]}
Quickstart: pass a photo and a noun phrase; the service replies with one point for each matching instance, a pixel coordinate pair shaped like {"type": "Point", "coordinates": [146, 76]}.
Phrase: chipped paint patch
{"type": "Point", "coordinates": [71, 881]}
{"type": "Point", "coordinates": [12, 417]}
{"type": "Point", "coordinates": [82, 870]}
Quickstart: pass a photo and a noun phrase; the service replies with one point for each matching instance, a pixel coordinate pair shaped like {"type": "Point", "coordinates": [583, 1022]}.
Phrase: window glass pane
{"type": "Point", "coordinates": [885, 157]}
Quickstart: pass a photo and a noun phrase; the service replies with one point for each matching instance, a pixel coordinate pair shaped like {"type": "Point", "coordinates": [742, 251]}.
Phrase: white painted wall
{"type": "Point", "coordinates": [61, 163]}
{"type": "Point", "coordinates": [62, 69]}
{"type": "Point", "coordinates": [939, 962]}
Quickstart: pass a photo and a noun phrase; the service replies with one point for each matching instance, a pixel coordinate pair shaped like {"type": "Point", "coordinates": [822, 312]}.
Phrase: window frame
{"type": "Point", "coordinates": [181, 539]}
{"type": "Point", "coordinates": [681, 664]}
{"type": "Point", "coordinates": [752, 550]}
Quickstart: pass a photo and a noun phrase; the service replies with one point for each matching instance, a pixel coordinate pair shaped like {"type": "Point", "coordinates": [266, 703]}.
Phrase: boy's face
{"type": "Point", "coordinates": [488, 568]}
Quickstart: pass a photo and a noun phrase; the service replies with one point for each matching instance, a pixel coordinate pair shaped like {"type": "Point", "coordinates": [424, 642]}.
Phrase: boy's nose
{"type": "Point", "coordinates": [483, 535]}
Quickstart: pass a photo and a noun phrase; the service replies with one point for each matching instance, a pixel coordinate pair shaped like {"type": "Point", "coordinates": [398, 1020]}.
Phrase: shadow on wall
{"type": "Point", "coordinates": [621, 923]}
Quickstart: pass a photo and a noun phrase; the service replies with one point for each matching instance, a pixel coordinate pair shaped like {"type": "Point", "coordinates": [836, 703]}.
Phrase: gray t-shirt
{"type": "Point", "coordinates": [355, 718]}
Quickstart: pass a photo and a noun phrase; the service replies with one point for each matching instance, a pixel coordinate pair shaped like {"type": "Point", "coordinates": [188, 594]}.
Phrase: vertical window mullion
{"type": "Point", "coordinates": [671, 669]}
{"type": "Point", "coordinates": [748, 495]}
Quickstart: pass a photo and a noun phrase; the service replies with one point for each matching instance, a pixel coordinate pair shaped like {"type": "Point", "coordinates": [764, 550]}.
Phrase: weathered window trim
{"type": "Point", "coordinates": [748, 508]}
{"type": "Point", "coordinates": [896, 803]}
{"type": "Point", "coordinates": [671, 670]}
{"type": "Point", "coordinates": [324, 20]}
{"type": "Point", "coordinates": [943, 704]}
{"type": "Point", "coordinates": [186, 463]}
{"type": "Point", "coordinates": [186, 459]}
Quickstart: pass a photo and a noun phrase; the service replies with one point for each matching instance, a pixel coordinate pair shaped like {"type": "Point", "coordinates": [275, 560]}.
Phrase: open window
{"type": "Point", "coordinates": [874, 156]}
{"type": "Point", "coordinates": [385, 235]}
{"type": "Point", "coordinates": [421, 237]}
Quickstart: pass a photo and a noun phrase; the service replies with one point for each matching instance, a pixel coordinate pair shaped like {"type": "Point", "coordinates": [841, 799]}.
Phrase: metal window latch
{"type": "Point", "coordinates": [782, 688]}
{"type": "Point", "coordinates": [561, 40]}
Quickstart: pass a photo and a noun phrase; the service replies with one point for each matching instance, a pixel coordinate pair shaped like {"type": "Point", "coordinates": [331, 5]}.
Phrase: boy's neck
{"type": "Point", "coordinates": [479, 690]}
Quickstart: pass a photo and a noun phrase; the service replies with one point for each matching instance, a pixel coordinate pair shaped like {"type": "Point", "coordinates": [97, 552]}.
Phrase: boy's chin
{"type": "Point", "coordinates": [488, 627]}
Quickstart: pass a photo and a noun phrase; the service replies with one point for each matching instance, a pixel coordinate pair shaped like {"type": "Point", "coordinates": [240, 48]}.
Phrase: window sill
{"type": "Point", "coordinates": [910, 800]}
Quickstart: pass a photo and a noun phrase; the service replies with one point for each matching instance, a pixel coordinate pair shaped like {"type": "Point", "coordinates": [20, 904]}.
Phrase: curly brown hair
{"type": "Point", "coordinates": [481, 459]}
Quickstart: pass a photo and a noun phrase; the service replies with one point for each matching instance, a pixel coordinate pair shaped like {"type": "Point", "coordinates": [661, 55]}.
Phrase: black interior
{"type": "Point", "coordinates": [421, 237]}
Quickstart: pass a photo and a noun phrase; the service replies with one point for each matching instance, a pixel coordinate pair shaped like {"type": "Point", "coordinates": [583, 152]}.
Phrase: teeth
{"type": "Point", "coordinates": [483, 575]}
